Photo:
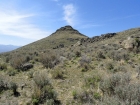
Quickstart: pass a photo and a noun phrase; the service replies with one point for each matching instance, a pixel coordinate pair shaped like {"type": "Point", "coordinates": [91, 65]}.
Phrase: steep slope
{"type": "Point", "coordinates": [63, 37]}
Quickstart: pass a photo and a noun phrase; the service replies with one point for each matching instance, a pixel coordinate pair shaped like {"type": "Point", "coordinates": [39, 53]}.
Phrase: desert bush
{"type": "Point", "coordinates": [74, 94]}
{"type": "Point", "coordinates": [57, 74]}
{"type": "Point", "coordinates": [13, 86]}
{"type": "Point", "coordinates": [30, 74]}
{"type": "Point", "coordinates": [70, 55]}
{"type": "Point", "coordinates": [107, 85]}
{"type": "Point", "coordinates": [42, 89]}
{"type": "Point", "coordinates": [36, 53]}
{"type": "Point", "coordinates": [41, 79]}
{"type": "Point", "coordinates": [100, 54]}
{"type": "Point", "coordinates": [118, 55]}
{"type": "Point", "coordinates": [3, 66]}
{"type": "Point", "coordinates": [84, 97]}
{"type": "Point", "coordinates": [78, 53]}
{"type": "Point", "coordinates": [111, 101]}
{"type": "Point", "coordinates": [97, 96]}
{"type": "Point", "coordinates": [120, 87]}
{"type": "Point", "coordinates": [27, 58]}
{"type": "Point", "coordinates": [36, 59]}
{"type": "Point", "coordinates": [85, 59]}
{"type": "Point", "coordinates": [109, 66]}
{"type": "Point", "coordinates": [120, 68]}
{"type": "Point", "coordinates": [3, 84]}
{"type": "Point", "coordinates": [11, 72]}
{"type": "Point", "coordinates": [17, 61]}
{"type": "Point", "coordinates": [92, 81]}
{"type": "Point", "coordinates": [49, 60]}
{"type": "Point", "coordinates": [136, 45]}
{"type": "Point", "coordinates": [7, 59]}
{"type": "Point", "coordinates": [84, 63]}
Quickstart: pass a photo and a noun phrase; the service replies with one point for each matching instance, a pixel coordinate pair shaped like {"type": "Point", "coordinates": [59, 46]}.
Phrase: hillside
{"type": "Point", "coordinates": [68, 68]}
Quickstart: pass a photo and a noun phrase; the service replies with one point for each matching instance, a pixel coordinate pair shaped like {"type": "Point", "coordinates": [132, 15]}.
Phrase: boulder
{"type": "Point", "coordinates": [131, 42]}
{"type": "Point", "coordinates": [27, 66]}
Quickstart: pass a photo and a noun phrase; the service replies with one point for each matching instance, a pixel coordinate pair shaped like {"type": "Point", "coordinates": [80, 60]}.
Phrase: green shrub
{"type": "Point", "coordinates": [12, 72]}
{"type": "Point", "coordinates": [92, 81]}
{"type": "Point", "coordinates": [78, 53]}
{"type": "Point", "coordinates": [97, 96]}
{"type": "Point", "coordinates": [3, 84]}
{"type": "Point", "coordinates": [120, 87]}
{"type": "Point", "coordinates": [108, 85]}
{"type": "Point", "coordinates": [27, 58]}
{"type": "Point", "coordinates": [100, 55]}
{"type": "Point", "coordinates": [57, 74]}
{"type": "Point", "coordinates": [84, 63]}
{"type": "Point", "coordinates": [17, 61]}
{"type": "Point", "coordinates": [35, 102]}
{"type": "Point", "coordinates": [13, 86]}
{"type": "Point", "coordinates": [41, 79]}
{"type": "Point", "coordinates": [30, 74]}
{"type": "Point", "coordinates": [42, 88]}
{"type": "Point", "coordinates": [85, 97]}
{"type": "Point", "coordinates": [49, 60]}
{"type": "Point", "coordinates": [109, 66]}
{"type": "Point", "coordinates": [74, 94]}
{"type": "Point", "coordinates": [70, 55]}
{"type": "Point", "coordinates": [118, 55]}
{"type": "Point", "coordinates": [3, 66]}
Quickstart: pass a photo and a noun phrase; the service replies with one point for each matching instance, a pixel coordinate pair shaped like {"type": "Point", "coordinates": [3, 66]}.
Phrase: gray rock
{"type": "Point", "coordinates": [27, 66]}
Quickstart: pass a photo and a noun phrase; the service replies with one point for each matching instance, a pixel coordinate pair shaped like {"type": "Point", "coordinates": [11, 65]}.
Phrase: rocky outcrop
{"type": "Point", "coordinates": [131, 43]}
{"type": "Point", "coordinates": [99, 38]}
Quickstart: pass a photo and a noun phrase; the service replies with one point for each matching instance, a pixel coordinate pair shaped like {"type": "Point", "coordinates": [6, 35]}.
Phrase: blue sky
{"type": "Point", "coordinates": [25, 21]}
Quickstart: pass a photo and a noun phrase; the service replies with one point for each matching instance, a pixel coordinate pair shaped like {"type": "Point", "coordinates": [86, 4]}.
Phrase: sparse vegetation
{"type": "Point", "coordinates": [70, 69]}
{"type": "Point", "coordinates": [49, 60]}
{"type": "Point", "coordinates": [92, 81]}
{"type": "Point", "coordinates": [43, 90]}
{"type": "Point", "coordinates": [57, 74]}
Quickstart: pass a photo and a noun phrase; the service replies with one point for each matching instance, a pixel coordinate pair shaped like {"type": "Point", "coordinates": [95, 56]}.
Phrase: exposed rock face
{"type": "Point", "coordinates": [99, 38]}
{"type": "Point", "coordinates": [131, 43]}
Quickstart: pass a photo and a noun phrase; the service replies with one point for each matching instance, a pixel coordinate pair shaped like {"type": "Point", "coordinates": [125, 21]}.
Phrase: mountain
{"type": "Point", "coordinates": [69, 68]}
{"type": "Point", "coordinates": [63, 37]}
{"type": "Point", "coordinates": [6, 48]}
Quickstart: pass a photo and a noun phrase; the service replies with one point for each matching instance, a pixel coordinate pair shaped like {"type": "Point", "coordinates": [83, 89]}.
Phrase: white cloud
{"type": "Point", "coordinates": [69, 14]}
{"type": "Point", "coordinates": [16, 24]}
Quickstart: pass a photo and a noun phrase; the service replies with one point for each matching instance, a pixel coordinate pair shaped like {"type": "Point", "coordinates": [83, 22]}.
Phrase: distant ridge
{"type": "Point", "coordinates": [6, 48]}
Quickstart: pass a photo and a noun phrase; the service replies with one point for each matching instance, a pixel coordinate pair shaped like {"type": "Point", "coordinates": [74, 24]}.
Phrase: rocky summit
{"type": "Point", "coordinates": [68, 29]}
